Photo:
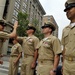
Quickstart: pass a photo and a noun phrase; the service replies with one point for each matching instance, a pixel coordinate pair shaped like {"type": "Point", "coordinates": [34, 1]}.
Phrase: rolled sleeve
{"type": "Point", "coordinates": [20, 49]}
{"type": "Point", "coordinates": [4, 35]}
{"type": "Point", "coordinates": [36, 42]}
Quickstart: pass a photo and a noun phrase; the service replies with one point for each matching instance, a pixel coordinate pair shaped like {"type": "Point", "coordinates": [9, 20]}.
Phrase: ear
{"type": "Point", "coordinates": [50, 29]}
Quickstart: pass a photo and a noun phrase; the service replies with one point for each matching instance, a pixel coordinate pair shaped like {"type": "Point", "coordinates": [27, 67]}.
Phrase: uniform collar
{"type": "Point", "coordinates": [47, 37]}
{"type": "Point", "coordinates": [72, 24]}
{"type": "Point", "coordinates": [30, 36]}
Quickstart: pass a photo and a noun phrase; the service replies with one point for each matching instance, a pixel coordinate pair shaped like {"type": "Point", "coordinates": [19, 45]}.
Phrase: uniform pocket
{"type": "Point", "coordinates": [47, 44]}
{"type": "Point", "coordinates": [30, 42]}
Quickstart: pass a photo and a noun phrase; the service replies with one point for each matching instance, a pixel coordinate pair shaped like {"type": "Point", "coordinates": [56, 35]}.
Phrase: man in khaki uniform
{"type": "Point", "coordinates": [29, 49]}
{"type": "Point", "coordinates": [4, 35]}
{"type": "Point", "coordinates": [49, 51]}
{"type": "Point", "coordinates": [68, 40]}
{"type": "Point", "coordinates": [16, 53]}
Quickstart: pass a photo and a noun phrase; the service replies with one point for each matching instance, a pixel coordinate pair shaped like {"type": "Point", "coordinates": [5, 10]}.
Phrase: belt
{"type": "Point", "coordinates": [26, 56]}
{"type": "Point", "coordinates": [13, 56]}
{"type": "Point", "coordinates": [45, 60]}
{"type": "Point", "coordinates": [70, 58]}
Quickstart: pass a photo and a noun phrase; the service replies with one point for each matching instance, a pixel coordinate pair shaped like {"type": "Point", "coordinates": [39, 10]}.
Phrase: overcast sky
{"type": "Point", "coordinates": [55, 8]}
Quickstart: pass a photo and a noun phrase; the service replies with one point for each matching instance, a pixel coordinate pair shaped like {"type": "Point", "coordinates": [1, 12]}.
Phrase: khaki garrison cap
{"type": "Point", "coordinates": [69, 4]}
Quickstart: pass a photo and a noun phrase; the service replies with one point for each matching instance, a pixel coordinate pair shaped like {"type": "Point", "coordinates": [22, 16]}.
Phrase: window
{"type": "Point", "coordinates": [17, 5]}
{"type": "Point", "coordinates": [13, 20]}
{"type": "Point", "coordinates": [26, 0]}
{"type": "Point", "coordinates": [15, 13]}
{"type": "Point", "coordinates": [19, 0]}
{"type": "Point", "coordinates": [48, 18]}
{"type": "Point", "coordinates": [23, 11]}
{"type": "Point", "coordinates": [24, 5]}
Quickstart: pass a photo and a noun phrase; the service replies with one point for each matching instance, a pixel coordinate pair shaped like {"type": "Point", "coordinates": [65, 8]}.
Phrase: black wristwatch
{"type": "Point", "coordinates": [54, 70]}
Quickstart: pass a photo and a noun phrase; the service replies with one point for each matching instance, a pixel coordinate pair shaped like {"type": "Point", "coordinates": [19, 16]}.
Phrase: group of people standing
{"type": "Point", "coordinates": [47, 51]}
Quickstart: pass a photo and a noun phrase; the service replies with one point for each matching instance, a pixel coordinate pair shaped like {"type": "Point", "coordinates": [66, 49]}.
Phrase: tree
{"type": "Point", "coordinates": [23, 22]}
{"type": "Point", "coordinates": [38, 33]}
{"type": "Point", "coordinates": [35, 22]}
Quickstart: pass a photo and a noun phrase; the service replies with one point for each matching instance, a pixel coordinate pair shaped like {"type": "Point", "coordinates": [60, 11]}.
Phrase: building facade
{"type": "Point", "coordinates": [50, 18]}
{"type": "Point", "coordinates": [9, 10]}
{"type": "Point", "coordinates": [35, 11]}
{"type": "Point", "coordinates": [2, 5]}
{"type": "Point", "coordinates": [32, 7]}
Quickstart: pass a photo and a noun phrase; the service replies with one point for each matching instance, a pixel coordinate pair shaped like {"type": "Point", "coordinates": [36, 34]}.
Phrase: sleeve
{"type": "Point", "coordinates": [62, 40]}
{"type": "Point", "coordinates": [19, 49]}
{"type": "Point", "coordinates": [57, 46]}
{"type": "Point", "coordinates": [21, 39]}
{"type": "Point", "coordinates": [4, 35]}
{"type": "Point", "coordinates": [36, 42]}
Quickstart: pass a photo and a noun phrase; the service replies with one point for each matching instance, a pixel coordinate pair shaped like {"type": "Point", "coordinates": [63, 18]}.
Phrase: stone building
{"type": "Point", "coordinates": [9, 10]}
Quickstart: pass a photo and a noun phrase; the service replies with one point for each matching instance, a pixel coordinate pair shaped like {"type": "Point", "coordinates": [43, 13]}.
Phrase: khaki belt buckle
{"type": "Point", "coordinates": [70, 58]}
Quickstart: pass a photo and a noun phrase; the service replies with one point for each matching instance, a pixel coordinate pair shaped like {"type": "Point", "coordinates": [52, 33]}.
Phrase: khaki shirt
{"type": "Point", "coordinates": [68, 40]}
{"type": "Point", "coordinates": [48, 48]}
{"type": "Point", "coordinates": [3, 37]}
{"type": "Point", "coordinates": [16, 49]}
{"type": "Point", "coordinates": [29, 44]}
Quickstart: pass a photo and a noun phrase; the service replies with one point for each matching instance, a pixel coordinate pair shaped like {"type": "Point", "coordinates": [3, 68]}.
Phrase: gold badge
{"type": "Point", "coordinates": [70, 59]}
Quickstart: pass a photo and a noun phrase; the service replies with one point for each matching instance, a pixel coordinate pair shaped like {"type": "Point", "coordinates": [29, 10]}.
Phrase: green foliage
{"type": "Point", "coordinates": [23, 22]}
{"type": "Point", "coordinates": [35, 22]}
{"type": "Point", "coordinates": [38, 33]}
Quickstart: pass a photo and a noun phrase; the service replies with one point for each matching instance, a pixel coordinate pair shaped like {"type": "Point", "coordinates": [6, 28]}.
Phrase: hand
{"type": "Point", "coordinates": [1, 55]}
{"type": "Point", "coordinates": [15, 62]}
{"type": "Point", "coordinates": [52, 73]}
{"type": "Point", "coordinates": [15, 25]}
{"type": "Point", "coordinates": [33, 65]}
{"type": "Point", "coordinates": [1, 62]}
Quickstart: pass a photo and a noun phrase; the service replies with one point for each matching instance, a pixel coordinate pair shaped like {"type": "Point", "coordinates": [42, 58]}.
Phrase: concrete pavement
{"type": "Point", "coordinates": [4, 68]}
